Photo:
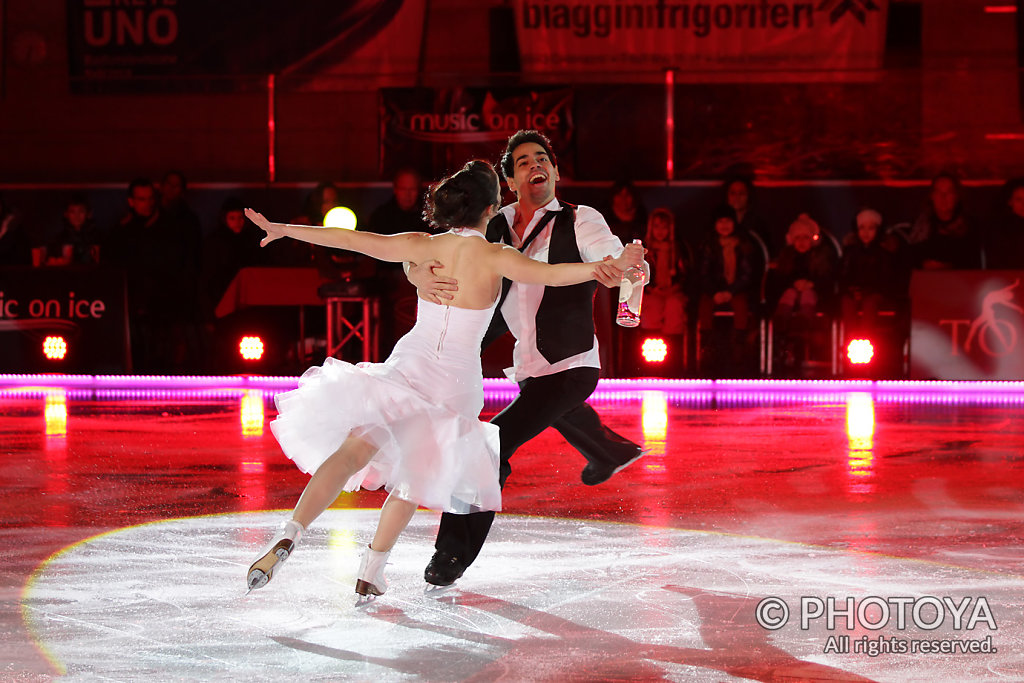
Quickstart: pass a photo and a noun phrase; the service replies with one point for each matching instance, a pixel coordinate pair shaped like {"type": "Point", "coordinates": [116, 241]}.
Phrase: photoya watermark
{"type": "Point", "coordinates": [874, 613]}
{"type": "Point", "coordinates": [968, 614]}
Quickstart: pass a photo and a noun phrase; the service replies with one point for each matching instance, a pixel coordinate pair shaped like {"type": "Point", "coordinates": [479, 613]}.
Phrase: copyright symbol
{"type": "Point", "coordinates": [772, 613]}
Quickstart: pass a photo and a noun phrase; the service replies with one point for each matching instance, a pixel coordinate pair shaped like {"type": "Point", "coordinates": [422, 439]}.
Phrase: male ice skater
{"type": "Point", "coordinates": [555, 360]}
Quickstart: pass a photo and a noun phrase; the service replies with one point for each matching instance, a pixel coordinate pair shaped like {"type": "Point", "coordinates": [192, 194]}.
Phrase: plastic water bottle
{"type": "Point", "coordinates": [631, 294]}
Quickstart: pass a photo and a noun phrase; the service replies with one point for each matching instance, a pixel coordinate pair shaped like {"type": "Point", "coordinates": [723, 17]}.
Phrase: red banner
{"type": "Point", "coordinates": [967, 324]}
{"type": "Point", "coordinates": [716, 36]}
{"type": "Point", "coordinates": [438, 130]}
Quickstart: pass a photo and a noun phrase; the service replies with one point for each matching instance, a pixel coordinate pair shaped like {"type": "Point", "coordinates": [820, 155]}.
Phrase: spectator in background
{"type": "Point", "coordinates": [403, 212]}
{"type": "Point", "coordinates": [802, 282]}
{"type": "Point", "coordinates": [664, 304]}
{"type": "Point", "coordinates": [867, 279]}
{"type": "Point", "coordinates": [15, 248]}
{"type": "Point", "coordinates": [804, 275]}
{"type": "Point", "coordinates": [627, 219]}
{"type": "Point", "coordinates": [626, 214]}
{"type": "Point", "coordinates": [324, 197]}
{"type": "Point", "coordinates": [77, 243]}
{"type": "Point", "coordinates": [183, 225]}
{"type": "Point", "coordinates": [233, 244]}
{"type": "Point", "coordinates": [175, 208]}
{"type": "Point", "coordinates": [152, 255]}
{"type": "Point", "coordinates": [726, 270]}
{"type": "Point", "coordinates": [1005, 248]}
{"type": "Point", "coordinates": [333, 264]}
{"type": "Point", "coordinates": [739, 194]}
{"type": "Point", "coordinates": [942, 237]}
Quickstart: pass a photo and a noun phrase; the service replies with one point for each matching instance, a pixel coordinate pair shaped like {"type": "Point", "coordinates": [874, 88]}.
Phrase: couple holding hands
{"type": "Point", "coordinates": [410, 424]}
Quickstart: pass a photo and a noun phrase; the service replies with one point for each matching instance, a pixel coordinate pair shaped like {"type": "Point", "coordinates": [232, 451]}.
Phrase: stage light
{"type": "Point", "coordinates": [55, 348]}
{"type": "Point", "coordinates": [860, 351]}
{"type": "Point", "coordinates": [654, 350]}
{"type": "Point", "coordinates": [340, 217]}
{"type": "Point", "coordinates": [251, 348]}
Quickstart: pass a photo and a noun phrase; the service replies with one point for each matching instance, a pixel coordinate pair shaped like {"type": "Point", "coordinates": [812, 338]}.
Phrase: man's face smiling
{"type": "Point", "coordinates": [533, 174]}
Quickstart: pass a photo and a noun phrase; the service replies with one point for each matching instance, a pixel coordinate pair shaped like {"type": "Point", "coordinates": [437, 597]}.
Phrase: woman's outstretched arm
{"type": "Point", "coordinates": [406, 246]}
{"type": "Point", "coordinates": [510, 263]}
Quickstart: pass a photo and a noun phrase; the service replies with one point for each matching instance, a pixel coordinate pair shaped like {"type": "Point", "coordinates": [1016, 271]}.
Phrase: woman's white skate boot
{"type": "Point", "coordinates": [370, 579]}
{"type": "Point", "coordinates": [281, 546]}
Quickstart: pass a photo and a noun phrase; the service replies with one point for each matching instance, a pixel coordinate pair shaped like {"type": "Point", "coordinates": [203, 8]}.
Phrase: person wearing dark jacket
{"type": "Point", "coordinates": [725, 281]}
{"type": "Point", "coordinates": [1005, 244]}
{"type": "Point", "coordinates": [804, 275]}
{"type": "Point", "coordinates": [15, 248]}
{"type": "Point", "coordinates": [867, 278]}
{"type": "Point", "coordinates": [802, 282]}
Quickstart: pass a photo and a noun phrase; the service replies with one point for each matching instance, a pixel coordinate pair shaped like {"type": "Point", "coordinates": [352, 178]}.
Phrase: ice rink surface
{"type": "Point", "coordinates": [832, 535]}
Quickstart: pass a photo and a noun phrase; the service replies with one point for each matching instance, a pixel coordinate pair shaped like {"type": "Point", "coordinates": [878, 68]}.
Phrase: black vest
{"type": "Point", "coordinates": [565, 318]}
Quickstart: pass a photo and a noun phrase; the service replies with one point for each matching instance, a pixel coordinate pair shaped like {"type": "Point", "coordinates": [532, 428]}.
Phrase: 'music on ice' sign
{"type": "Point", "coordinates": [83, 305]}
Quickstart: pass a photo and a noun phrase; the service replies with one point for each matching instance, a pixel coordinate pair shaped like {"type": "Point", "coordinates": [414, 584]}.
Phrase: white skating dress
{"type": "Point", "coordinates": [420, 408]}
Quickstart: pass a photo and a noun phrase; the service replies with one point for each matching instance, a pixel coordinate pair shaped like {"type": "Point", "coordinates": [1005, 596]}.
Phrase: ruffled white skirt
{"type": "Point", "coordinates": [419, 408]}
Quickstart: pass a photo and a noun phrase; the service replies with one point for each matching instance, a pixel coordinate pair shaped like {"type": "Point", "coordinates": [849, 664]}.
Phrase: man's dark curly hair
{"type": "Point", "coordinates": [519, 138]}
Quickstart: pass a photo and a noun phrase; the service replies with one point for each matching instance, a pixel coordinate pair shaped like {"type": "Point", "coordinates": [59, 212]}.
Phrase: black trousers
{"type": "Point", "coordinates": [551, 401]}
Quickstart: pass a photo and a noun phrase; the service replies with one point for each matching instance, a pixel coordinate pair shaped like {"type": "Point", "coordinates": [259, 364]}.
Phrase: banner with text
{"type": "Point", "coordinates": [438, 130]}
{"type": "Point", "coordinates": [967, 324]}
{"type": "Point", "coordinates": [183, 45]}
{"type": "Point", "coordinates": [83, 306]}
{"type": "Point", "coordinates": [701, 36]}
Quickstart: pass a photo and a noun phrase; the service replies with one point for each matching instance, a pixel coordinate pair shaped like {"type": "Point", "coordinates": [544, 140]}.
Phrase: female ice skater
{"type": "Point", "coordinates": [409, 424]}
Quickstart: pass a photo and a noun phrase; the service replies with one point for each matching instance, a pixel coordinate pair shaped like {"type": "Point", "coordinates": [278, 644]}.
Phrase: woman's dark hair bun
{"type": "Point", "coordinates": [460, 199]}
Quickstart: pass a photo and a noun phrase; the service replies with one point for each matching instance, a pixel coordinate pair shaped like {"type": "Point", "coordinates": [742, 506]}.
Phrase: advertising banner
{"type": "Point", "coordinates": [437, 130]}
{"type": "Point", "coordinates": [967, 324]}
{"type": "Point", "coordinates": [191, 45]}
{"type": "Point", "coordinates": [702, 36]}
{"type": "Point", "coordinates": [83, 306]}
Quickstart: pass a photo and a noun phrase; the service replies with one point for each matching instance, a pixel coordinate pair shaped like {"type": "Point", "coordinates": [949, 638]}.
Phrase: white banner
{"type": "Point", "coordinates": [716, 36]}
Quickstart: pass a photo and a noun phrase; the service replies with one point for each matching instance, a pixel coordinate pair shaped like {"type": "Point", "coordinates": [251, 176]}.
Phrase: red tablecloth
{"type": "Point", "coordinates": [271, 287]}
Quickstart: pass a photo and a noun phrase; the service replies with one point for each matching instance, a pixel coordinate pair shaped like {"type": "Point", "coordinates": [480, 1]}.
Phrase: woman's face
{"type": "Point", "coordinates": [660, 229]}
{"type": "Point", "coordinates": [803, 241]}
{"type": "Point", "coordinates": [725, 226]}
{"type": "Point", "coordinates": [496, 205]}
{"type": "Point", "coordinates": [944, 198]}
{"type": "Point", "coordinates": [623, 203]}
{"type": "Point", "coordinates": [76, 214]}
{"type": "Point", "coordinates": [1017, 202]}
{"type": "Point", "coordinates": [328, 200]}
{"type": "Point", "coordinates": [234, 220]}
{"type": "Point", "coordinates": [738, 197]}
{"type": "Point", "coordinates": [866, 231]}
{"type": "Point", "coordinates": [497, 191]}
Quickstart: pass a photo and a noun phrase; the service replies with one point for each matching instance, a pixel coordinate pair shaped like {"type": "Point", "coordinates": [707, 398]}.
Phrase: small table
{"type": "Point", "coordinates": [268, 286]}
